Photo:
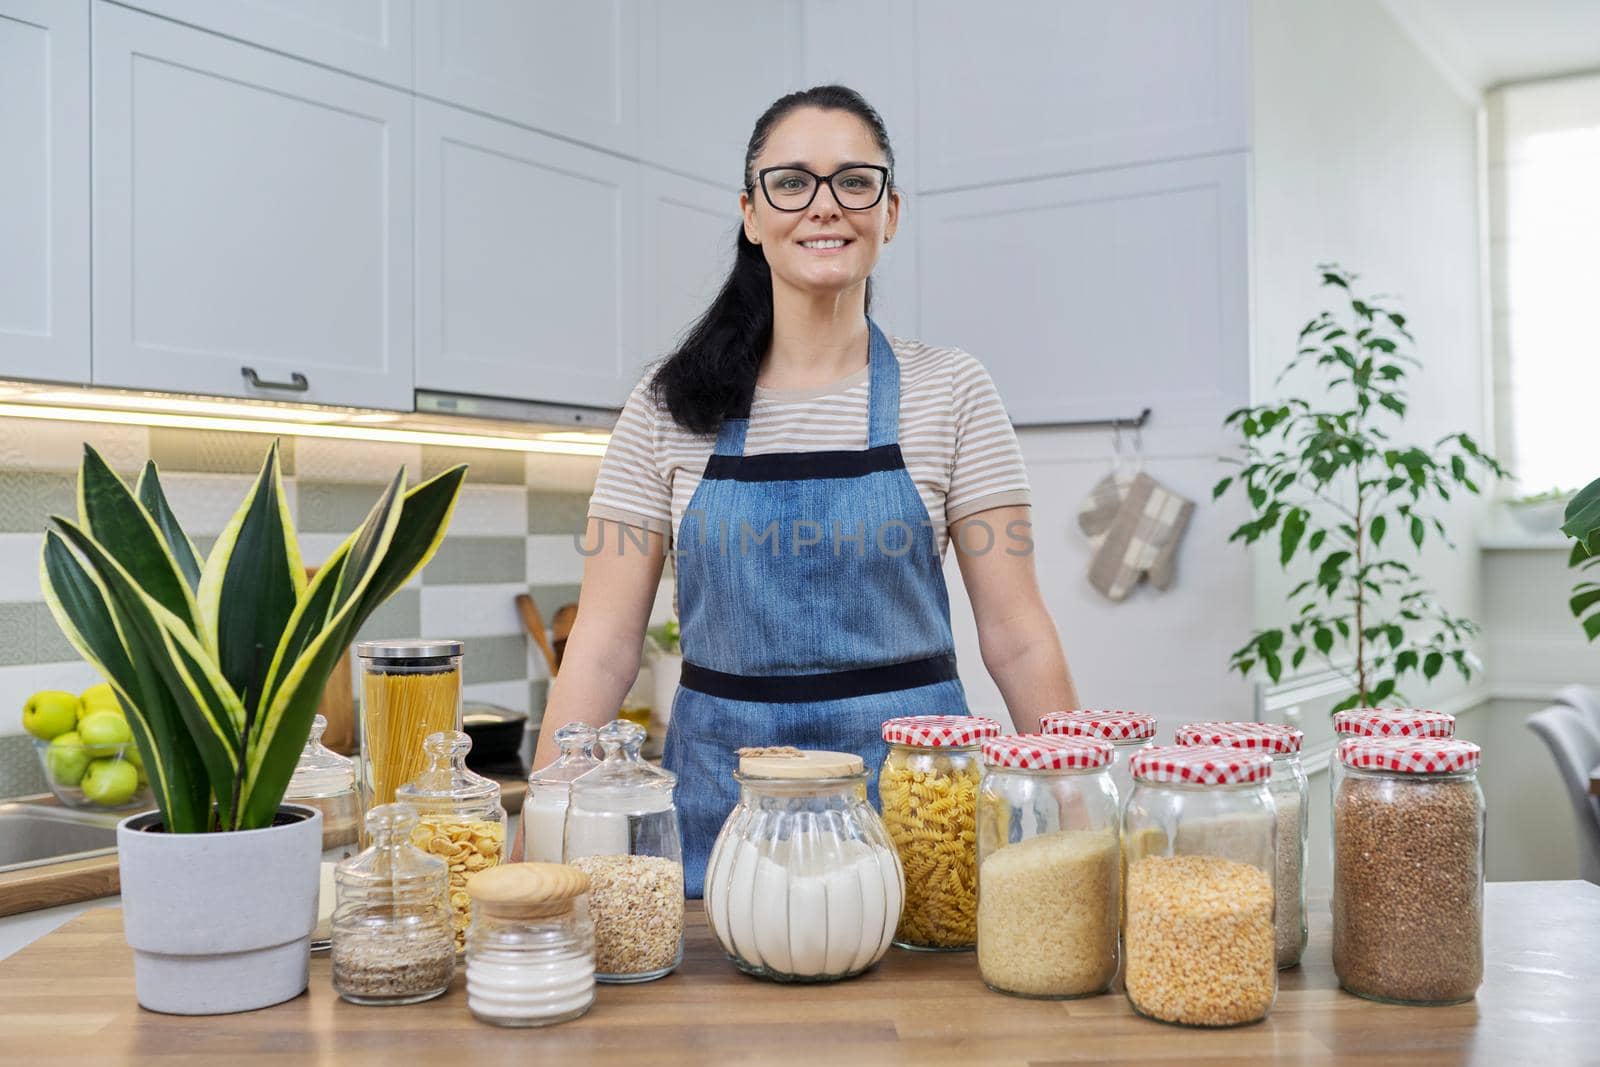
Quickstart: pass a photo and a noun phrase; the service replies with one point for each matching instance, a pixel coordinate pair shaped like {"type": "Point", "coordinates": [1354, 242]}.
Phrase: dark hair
{"type": "Point", "coordinates": [712, 374]}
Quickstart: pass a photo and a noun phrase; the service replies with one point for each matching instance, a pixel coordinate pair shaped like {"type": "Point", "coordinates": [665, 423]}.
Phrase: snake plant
{"type": "Point", "coordinates": [220, 662]}
{"type": "Point", "coordinates": [1583, 526]}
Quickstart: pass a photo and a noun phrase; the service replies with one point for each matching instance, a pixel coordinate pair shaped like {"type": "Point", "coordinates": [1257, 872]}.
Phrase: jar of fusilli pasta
{"type": "Point", "coordinates": [1048, 866]}
{"type": "Point", "coordinates": [929, 792]}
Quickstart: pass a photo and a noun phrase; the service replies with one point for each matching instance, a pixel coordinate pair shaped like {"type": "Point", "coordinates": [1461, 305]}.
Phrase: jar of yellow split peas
{"type": "Point", "coordinates": [459, 819]}
{"type": "Point", "coordinates": [928, 788]}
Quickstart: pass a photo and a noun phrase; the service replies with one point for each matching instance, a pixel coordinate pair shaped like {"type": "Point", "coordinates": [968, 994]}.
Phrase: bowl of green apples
{"type": "Point", "coordinates": [86, 750]}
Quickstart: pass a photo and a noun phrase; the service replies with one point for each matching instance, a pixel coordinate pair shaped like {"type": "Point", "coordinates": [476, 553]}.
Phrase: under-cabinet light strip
{"type": "Point", "coordinates": [390, 434]}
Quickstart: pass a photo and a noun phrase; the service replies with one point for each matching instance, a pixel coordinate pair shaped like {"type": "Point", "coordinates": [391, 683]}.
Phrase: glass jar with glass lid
{"type": "Point", "coordinates": [928, 788]}
{"type": "Point", "coordinates": [622, 831]}
{"type": "Point", "coordinates": [1199, 944]}
{"type": "Point", "coordinates": [803, 884]}
{"type": "Point", "coordinates": [325, 780]}
{"type": "Point", "coordinates": [1129, 732]}
{"type": "Point", "coordinates": [409, 689]}
{"type": "Point", "coordinates": [459, 818]}
{"type": "Point", "coordinates": [1287, 784]}
{"type": "Point", "coordinates": [544, 813]}
{"type": "Point", "coordinates": [1048, 866]}
{"type": "Point", "coordinates": [392, 940]}
{"type": "Point", "coordinates": [1408, 870]}
{"type": "Point", "coordinates": [530, 951]}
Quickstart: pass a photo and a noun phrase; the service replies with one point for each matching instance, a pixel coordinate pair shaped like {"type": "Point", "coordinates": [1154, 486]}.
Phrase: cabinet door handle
{"type": "Point", "coordinates": [297, 382]}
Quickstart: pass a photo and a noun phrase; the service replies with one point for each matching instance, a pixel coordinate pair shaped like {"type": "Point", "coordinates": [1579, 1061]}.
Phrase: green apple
{"type": "Point", "coordinates": [109, 782]}
{"type": "Point", "coordinates": [49, 714]}
{"type": "Point", "coordinates": [104, 733]}
{"type": "Point", "coordinates": [99, 698]}
{"type": "Point", "coordinates": [66, 759]}
{"type": "Point", "coordinates": [131, 754]}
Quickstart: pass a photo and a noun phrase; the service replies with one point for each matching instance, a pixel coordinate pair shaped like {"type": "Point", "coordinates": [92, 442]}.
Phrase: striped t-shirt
{"type": "Point", "coordinates": [959, 446]}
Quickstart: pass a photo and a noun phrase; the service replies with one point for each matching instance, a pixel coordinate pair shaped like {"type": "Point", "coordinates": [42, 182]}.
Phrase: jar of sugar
{"type": "Point", "coordinates": [530, 949]}
{"type": "Point", "coordinates": [803, 883]}
{"type": "Point", "coordinates": [544, 813]}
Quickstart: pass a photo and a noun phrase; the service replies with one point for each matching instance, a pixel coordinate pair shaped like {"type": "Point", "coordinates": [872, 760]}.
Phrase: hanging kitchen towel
{"type": "Point", "coordinates": [1143, 536]}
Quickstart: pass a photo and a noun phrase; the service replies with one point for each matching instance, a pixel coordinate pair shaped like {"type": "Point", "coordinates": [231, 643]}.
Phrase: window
{"type": "Point", "coordinates": [1544, 192]}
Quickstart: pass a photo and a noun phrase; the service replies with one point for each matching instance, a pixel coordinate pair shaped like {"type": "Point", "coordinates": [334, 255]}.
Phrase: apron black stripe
{"type": "Point", "coordinates": [804, 688]}
{"type": "Point", "coordinates": [794, 466]}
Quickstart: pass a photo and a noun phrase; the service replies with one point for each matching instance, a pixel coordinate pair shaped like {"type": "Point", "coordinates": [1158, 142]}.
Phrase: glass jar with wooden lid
{"type": "Point", "coordinates": [530, 949]}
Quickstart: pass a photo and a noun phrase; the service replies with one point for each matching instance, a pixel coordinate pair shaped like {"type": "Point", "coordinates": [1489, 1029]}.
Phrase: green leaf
{"type": "Point", "coordinates": [1418, 529]}
{"type": "Point", "coordinates": [1582, 517]}
{"type": "Point", "coordinates": [1299, 658]}
{"type": "Point", "coordinates": [148, 490]}
{"type": "Point", "coordinates": [114, 518]}
{"type": "Point", "coordinates": [1317, 537]}
{"type": "Point", "coordinates": [1377, 527]}
{"type": "Point", "coordinates": [1294, 526]}
{"type": "Point", "coordinates": [1582, 602]}
{"type": "Point", "coordinates": [1405, 661]}
{"type": "Point", "coordinates": [1274, 666]}
{"type": "Point", "coordinates": [1324, 640]}
{"type": "Point", "coordinates": [1221, 487]}
{"type": "Point", "coordinates": [1346, 704]}
{"type": "Point", "coordinates": [1431, 664]}
{"type": "Point", "coordinates": [251, 584]}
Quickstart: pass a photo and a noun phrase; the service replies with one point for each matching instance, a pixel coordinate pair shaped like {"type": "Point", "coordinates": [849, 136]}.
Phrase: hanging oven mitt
{"type": "Point", "coordinates": [1143, 537]}
{"type": "Point", "coordinates": [1099, 509]}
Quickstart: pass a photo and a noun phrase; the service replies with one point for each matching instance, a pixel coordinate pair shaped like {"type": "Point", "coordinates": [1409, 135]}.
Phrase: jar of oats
{"type": "Point", "coordinates": [1048, 867]}
{"type": "Point", "coordinates": [1130, 732]}
{"type": "Point", "coordinates": [1287, 784]}
{"type": "Point", "coordinates": [1199, 944]}
{"type": "Point", "coordinates": [928, 789]}
{"type": "Point", "coordinates": [622, 831]}
{"type": "Point", "coordinates": [1408, 870]}
{"type": "Point", "coordinates": [459, 819]}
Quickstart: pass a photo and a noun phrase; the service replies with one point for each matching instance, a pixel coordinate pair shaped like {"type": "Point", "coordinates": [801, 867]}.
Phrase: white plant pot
{"type": "Point", "coordinates": [665, 671]}
{"type": "Point", "coordinates": [220, 922]}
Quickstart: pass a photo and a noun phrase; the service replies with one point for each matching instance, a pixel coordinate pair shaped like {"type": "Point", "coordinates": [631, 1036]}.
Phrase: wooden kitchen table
{"type": "Point", "coordinates": [69, 998]}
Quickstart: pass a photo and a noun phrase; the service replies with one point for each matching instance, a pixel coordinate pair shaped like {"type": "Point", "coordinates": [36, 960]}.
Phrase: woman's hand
{"type": "Point", "coordinates": [1016, 635]}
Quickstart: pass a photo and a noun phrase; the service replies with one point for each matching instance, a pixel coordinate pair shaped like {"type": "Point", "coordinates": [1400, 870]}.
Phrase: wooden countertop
{"type": "Point", "coordinates": [69, 998]}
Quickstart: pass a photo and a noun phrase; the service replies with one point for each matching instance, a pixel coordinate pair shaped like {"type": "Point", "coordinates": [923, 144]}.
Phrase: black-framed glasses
{"type": "Point", "coordinates": [793, 188]}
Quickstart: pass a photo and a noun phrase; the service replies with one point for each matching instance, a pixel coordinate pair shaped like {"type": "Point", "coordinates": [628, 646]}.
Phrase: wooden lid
{"type": "Point", "coordinates": [785, 762]}
{"type": "Point", "coordinates": [527, 890]}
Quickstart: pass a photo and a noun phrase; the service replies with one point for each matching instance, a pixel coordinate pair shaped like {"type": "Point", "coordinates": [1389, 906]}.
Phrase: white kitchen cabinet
{"type": "Point", "coordinates": [252, 216]}
{"type": "Point", "coordinates": [688, 233]}
{"type": "Point", "coordinates": [1068, 86]}
{"type": "Point", "coordinates": [371, 38]}
{"type": "Point", "coordinates": [44, 189]}
{"type": "Point", "coordinates": [1096, 296]}
{"type": "Point", "coordinates": [708, 69]}
{"type": "Point", "coordinates": [564, 68]}
{"type": "Point", "coordinates": [528, 262]}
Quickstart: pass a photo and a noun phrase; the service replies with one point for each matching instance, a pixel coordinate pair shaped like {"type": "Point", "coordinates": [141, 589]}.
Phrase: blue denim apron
{"type": "Point", "coordinates": [812, 607]}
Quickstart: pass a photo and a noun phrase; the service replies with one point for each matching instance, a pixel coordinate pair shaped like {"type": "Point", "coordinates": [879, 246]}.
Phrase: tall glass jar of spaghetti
{"type": "Point", "coordinates": [929, 792]}
{"type": "Point", "coordinates": [410, 688]}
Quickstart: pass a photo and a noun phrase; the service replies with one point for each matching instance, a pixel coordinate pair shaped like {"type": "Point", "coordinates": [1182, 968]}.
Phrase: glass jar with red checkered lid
{"type": "Point", "coordinates": [1049, 861]}
{"type": "Point", "coordinates": [1408, 869]}
{"type": "Point", "coordinates": [1198, 833]}
{"type": "Point", "coordinates": [1287, 784]}
{"type": "Point", "coordinates": [928, 789]}
{"type": "Point", "coordinates": [1383, 722]}
{"type": "Point", "coordinates": [1129, 732]}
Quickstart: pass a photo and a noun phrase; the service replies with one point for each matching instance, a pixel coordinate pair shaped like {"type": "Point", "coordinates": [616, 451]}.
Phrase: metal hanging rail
{"type": "Point", "coordinates": [1136, 423]}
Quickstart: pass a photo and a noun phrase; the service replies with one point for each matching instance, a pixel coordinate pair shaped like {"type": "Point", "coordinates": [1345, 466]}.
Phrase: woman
{"type": "Point", "coordinates": [805, 468]}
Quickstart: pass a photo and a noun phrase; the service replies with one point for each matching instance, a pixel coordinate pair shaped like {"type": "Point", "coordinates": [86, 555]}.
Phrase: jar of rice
{"type": "Point", "coordinates": [1199, 940]}
{"type": "Point", "coordinates": [928, 788]}
{"type": "Point", "coordinates": [1048, 857]}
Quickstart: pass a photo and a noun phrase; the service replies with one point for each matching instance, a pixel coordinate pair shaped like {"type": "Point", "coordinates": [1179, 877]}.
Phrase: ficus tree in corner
{"type": "Point", "coordinates": [1348, 505]}
{"type": "Point", "coordinates": [220, 662]}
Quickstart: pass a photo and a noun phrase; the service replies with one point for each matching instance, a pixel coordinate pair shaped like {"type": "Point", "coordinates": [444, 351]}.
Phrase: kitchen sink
{"type": "Point", "coordinates": [35, 834]}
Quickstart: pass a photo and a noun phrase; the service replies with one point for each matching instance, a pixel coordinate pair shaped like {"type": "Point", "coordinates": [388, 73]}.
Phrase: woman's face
{"type": "Point", "coordinates": [821, 142]}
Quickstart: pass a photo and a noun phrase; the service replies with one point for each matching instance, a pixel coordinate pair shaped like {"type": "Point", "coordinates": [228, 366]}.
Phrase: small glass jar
{"type": "Point", "coordinates": [1199, 943]}
{"type": "Point", "coordinates": [459, 818]}
{"type": "Point", "coordinates": [622, 831]}
{"type": "Point", "coordinates": [1048, 867]}
{"type": "Point", "coordinates": [325, 780]}
{"type": "Point", "coordinates": [530, 951]}
{"type": "Point", "coordinates": [1384, 722]}
{"type": "Point", "coordinates": [544, 813]}
{"type": "Point", "coordinates": [1130, 732]}
{"type": "Point", "coordinates": [928, 788]}
{"type": "Point", "coordinates": [1287, 785]}
{"type": "Point", "coordinates": [1408, 870]}
{"type": "Point", "coordinates": [409, 689]}
{"type": "Point", "coordinates": [392, 942]}
{"type": "Point", "coordinates": [803, 884]}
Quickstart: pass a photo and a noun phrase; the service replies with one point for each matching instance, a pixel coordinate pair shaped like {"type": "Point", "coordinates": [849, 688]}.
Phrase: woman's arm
{"type": "Point", "coordinates": [1016, 635]}
{"type": "Point", "coordinates": [601, 661]}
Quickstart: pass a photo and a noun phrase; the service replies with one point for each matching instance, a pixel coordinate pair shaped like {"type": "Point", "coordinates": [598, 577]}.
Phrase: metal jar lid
{"type": "Point", "coordinates": [412, 650]}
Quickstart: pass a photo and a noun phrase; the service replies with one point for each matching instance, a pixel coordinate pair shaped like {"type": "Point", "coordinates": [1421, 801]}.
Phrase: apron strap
{"type": "Point", "coordinates": [883, 414]}
{"type": "Point", "coordinates": [730, 437]}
